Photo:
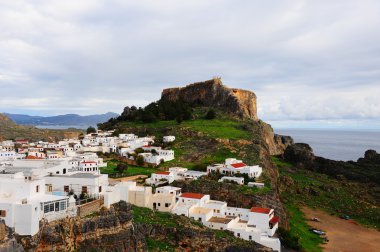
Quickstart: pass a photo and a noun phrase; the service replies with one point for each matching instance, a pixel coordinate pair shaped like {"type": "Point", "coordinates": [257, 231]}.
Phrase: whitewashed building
{"type": "Point", "coordinates": [233, 166]}
{"type": "Point", "coordinates": [23, 203]}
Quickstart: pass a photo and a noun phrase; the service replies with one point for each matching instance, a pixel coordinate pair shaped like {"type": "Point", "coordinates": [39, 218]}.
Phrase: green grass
{"type": "Point", "coordinates": [154, 245]}
{"type": "Point", "coordinates": [320, 191]}
{"type": "Point", "coordinates": [216, 128]}
{"type": "Point", "coordinates": [307, 240]}
{"type": "Point", "coordinates": [131, 171]}
{"type": "Point", "coordinates": [219, 128]}
{"type": "Point", "coordinates": [147, 216]}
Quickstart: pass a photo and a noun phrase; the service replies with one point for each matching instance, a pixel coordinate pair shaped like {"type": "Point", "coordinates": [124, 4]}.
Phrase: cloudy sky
{"type": "Point", "coordinates": [311, 63]}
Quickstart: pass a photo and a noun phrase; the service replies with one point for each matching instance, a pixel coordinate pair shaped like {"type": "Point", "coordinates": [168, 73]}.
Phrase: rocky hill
{"type": "Point", "coordinates": [212, 93]}
{"type": "Point", "coordinates": [125, 228]}
{"type": "Point", "coordinates": [234, 132]}
{"type": "Point", "coordinates": [11, 130]}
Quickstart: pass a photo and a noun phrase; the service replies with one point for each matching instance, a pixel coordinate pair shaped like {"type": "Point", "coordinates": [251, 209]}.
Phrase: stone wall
{"type": "Point", "coordinates": [90, 207]}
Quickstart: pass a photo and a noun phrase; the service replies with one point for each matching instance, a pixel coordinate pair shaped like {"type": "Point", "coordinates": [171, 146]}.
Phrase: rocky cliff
{"type": "Point", "coordinates": [213, 93]}
{"type": "Point", "coordinates": [117, 229]}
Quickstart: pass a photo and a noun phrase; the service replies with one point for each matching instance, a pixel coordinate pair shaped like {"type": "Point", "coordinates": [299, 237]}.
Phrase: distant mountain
{"type": "Point", "coordinates": [62, 120]}
{"type": "Point", "coordinates": [11, 130]}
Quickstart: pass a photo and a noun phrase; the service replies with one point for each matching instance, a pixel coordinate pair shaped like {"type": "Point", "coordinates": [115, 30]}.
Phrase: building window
{"type": "Point", "coordinates": [37, 188]}
{"type": "Point", "coordinates": [62, 205]}
{"type": "Point", "coordinates": [250, 237]}
{"type": "Point", "coordinates": [49, 188]}
{"type": "Point", "coordinates": [3, 213]}
{"type": "Point", "coordinates": [84, 189]}
{"type": "Point", "coordinates": [66, 188]}
{"type": "Point", "coordinates": [100, 189]}
{"type": "Point", "coordinates": [167, 204]}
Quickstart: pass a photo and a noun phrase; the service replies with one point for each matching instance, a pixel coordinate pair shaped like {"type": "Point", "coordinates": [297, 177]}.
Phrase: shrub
{"type": "Point", "coordinates": [140, 160]}
{"type": "Point", "coordinates": [210, 114]}
{"type": "Point", "coordinates": [91, 130]}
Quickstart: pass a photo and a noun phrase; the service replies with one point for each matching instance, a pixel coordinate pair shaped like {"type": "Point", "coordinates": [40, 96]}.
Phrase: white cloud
{"type": "Point", "coordinates": [304, 59]}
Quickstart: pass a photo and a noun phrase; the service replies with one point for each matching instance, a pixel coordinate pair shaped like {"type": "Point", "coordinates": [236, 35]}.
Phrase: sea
{"type": "Point", "coordinates": [62, 127]}
{"type": "Point", "coordinates": [334, 144]}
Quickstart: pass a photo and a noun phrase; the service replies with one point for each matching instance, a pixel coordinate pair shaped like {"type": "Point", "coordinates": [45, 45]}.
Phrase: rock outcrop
{"type": "Point", "coordinates": [8, 241]}
{"type": "Point", "coordinates": [213, 93]}
{"type": "Point", "coordinates": [300, 154]}
{"type": "Point", "coordinates": [116, 229]}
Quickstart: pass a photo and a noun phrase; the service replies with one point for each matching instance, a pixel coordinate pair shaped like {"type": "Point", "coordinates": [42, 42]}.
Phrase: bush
{"type": "Point", "coordinates": [210, 114]}
{"type": "Point", "coordinates": [288, 240]}
{"type": "Point", "coordinates": [140, 160]}
{"type": "Point", "coordinates": [200, 167]}
{"type": "Point", "coordinates": [91, 130]}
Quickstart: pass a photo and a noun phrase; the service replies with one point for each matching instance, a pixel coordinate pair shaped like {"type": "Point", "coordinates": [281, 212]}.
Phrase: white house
{"type": "Point", "coordinates": [90, 184]}
{"type": "Point", "coordinates": [23, 203]}
{"type": "Point", "coordinates": [233, 166]}
{"type": "Point", "coordinates": [256, 184]}
{"type": "Point", "coordinates": [237, 180]}
{"type": "Point", "coordinates": [168, 139]}
{"type": "Point", "coordinates": [160, 177]}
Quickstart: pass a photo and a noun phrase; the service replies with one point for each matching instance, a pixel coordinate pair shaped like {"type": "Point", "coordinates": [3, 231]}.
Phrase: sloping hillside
{"type": "Point", "coordinates": [201, 141]}
{"type": "Point", "coordinates": [11, 130]}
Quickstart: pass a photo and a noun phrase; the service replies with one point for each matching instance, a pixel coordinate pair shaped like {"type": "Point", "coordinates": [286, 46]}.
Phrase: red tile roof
{"type": "Point", "coordinates": [192, 195]}
{"type": "Point", "coordinates": [162, 173]}
{"type": "Point", "coordinates": [88, 162]}
{"type": "Point", "coordinates": [260, 210]}
{"type": "Point", "coordinates": [274, 220]}
{"type": "Point", "coordinates": [32, 157]}
{"type": "Point", "coordinates": [238, 165]}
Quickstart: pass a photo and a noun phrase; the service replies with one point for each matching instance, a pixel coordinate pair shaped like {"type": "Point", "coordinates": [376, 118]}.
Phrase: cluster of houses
{"type": "Point", "coordinates": [45, 181]}
{"type": "Point", "coordinates": [124, 144]}
{"type": "Point", "coordinates": [254, 224]}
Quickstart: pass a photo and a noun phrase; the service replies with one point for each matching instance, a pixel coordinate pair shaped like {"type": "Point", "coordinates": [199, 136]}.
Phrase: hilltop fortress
{"type": "Point", "coordinates": [212, 93]}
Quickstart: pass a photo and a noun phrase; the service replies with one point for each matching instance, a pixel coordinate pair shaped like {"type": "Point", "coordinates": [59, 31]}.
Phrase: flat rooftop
{"type": "Point", "coordinates": [200, 210]}
{"type": "Point", "coordinates": [76, 175]}
{"type": "Point", "coordinates": [220, 220]}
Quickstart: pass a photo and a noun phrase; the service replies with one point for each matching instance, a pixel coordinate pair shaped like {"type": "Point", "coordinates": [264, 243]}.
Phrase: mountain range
{"type": "Point", "coordinates": [61, 120]}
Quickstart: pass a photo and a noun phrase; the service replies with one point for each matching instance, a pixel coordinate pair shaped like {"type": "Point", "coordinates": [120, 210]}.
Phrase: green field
{"type": "Point", "coordinates": [216, 128]}
{"type": "Point", "coordinates": [131, 171]}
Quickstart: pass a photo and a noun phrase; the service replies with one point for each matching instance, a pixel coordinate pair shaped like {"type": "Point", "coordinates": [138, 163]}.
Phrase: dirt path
{"type": "Point", "coordinates": [131, 178]}
{"type": "Point", "coordinates": [344, 235]}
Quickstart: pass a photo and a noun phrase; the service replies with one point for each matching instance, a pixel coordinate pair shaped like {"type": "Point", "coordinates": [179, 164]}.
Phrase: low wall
{"type": "Point", "coordinates": [90, 207]}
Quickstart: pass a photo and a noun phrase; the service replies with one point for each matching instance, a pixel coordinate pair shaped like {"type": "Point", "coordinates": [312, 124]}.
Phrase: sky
{"type": "Point", "coordinates": [311, 63]}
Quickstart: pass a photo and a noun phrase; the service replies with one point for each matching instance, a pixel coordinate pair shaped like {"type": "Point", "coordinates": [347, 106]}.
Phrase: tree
{"type": "Point", "coordinates": [210, 114]}
{"type": "Point", "coordinates": [121, 168]}
{"type": "Point", "coordinates": [140, 160]}
{"type": "Point", "coordinates": [91, 130]}
{"type": "Point", "coordinates": [179, 119]}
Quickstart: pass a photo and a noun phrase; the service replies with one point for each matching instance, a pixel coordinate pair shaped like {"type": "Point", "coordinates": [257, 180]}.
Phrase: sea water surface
{"type": "Point", "coordinates": [336, 144]}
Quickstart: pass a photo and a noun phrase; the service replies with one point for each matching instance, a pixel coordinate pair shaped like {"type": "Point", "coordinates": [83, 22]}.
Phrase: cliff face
{"type": "Point", "coordinates": [117, 230]}
{"type": "Point", "coordinates": [213, 93]}
{"type": "Point", "coordinates": [276, 143]}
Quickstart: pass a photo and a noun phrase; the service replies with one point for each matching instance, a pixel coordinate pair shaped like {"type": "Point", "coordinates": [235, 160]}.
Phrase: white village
{"type": "Point", "coordinates": [45, 181]}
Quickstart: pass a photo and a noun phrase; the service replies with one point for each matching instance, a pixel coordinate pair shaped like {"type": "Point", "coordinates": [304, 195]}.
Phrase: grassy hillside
{"type": "Point", "coordinates": [183, 225]}
{"type": "Point", "coordinates": [304, 187]}
{"type": "Point", "coordinates": [202, 141]}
